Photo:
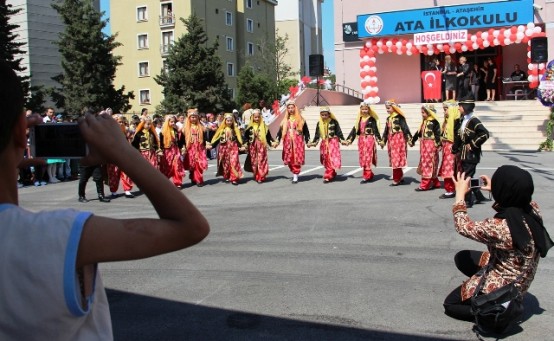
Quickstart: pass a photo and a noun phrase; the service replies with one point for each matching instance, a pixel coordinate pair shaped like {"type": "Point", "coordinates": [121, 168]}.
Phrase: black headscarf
{"type": "Point", "coordinates": [512, 189]}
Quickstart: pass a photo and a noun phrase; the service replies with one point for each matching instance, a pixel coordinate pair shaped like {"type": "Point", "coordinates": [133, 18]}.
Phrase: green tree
{"type": "Point", "coordinates": [10, 49]}
{"type": "Point", "coordinates": [273, 60]}
{"type": "Point", "coordinates": [88, 62]}
{"type": "Point", "coordinates": [255, 86]}
{"type": "Point", "coordinates": [194, 73]}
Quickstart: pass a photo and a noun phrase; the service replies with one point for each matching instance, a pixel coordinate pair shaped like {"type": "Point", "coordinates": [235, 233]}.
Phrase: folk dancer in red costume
{"type": "Point", "coordinates": [430, 134]}
{"type": "Point", "coordinates": [450, 161]}
{"type": "Point", "coordinates": [171, 163]}
{"type": "Point", "coordinates": [147, 141]}
{"type": "Point", "coordinates": [328, 130]}
{"type": "Point", "coordinates": [194, 151]}
{"type": "Point", "coordinates": [367, 130]}
{"type": "Point", "coordinates": [295, 134]}
{"type": "Point", "coordinates": [229, 139]}
{"type": "Point", "coordinates": [396, 135]}
{"type": "Point", "coordinates": [257, 137]}
{"type": "Point", "coordinates": [115, 174]}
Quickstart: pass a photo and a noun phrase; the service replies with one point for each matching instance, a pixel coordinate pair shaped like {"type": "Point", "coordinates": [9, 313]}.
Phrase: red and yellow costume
{"type": "Point", "coordinates": [328, 130]}
{"type": "Point", "coordinates": [229, 139]}
{"type": "Point", "coordinates": [450, 160]}
{"type": "Point", "coordinates": [147, 141]}
{"type": "Point", "coordinates": [430, 134]}
{"type": "Point", "coordinates": [367, 130]}
{"type": "Point", "coordinates": [257, 136]}
{"type": "Point", "coordinates": [115, 174]}
{"type": "Point", "coordinates": [295, 134]}
{"type": "Point", "coordinates": [396, 135]}
{"type": "Point", "coordinates": [196, 161]}
{"type": "Point", "coordinates": [171, 164]}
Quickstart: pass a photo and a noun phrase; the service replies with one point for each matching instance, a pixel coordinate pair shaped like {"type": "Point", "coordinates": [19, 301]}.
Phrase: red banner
{"type": "Point", "coordinates": [432, 84]}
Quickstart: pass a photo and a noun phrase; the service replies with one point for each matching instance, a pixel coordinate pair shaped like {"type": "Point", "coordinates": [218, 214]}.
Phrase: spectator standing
{"type": "Point", "coordinates": [475, 78]}
{"type": "Point", "coordinates": [490, 79]}
{"type": "Point", "coordinates": [450, 77]}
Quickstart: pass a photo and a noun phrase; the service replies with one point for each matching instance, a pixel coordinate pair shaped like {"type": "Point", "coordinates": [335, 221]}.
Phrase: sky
{"type": "Point", "coordinates": [327, 34]}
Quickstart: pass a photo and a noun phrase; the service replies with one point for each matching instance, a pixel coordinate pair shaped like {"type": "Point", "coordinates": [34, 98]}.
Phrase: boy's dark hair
{"type": "Point", "coordinates": [12, 99]}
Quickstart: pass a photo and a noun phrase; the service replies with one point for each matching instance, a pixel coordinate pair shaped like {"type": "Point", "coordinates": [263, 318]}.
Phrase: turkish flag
{"type": "Point", "coordinates": [432, 84]}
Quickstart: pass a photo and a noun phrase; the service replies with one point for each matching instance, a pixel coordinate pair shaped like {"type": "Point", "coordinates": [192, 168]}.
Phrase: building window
{"type": "Point", "coordinates": [167, 17]}
{"type": "Point", "coordinates": [230, 44]}
{"type": "Point", "coordinates": [167, 41]}
{"type": "Point", "coordinates": [229, 18]}
{"type": "Point", "coordinates": [249, 25]}
{"type": "Point", "coordinates": [144, 97]}
{"type": "Point", "coordinates": [250, 47]}
{"type": "Point", "coordinates": [144, 70]}
{"type": "Point", "coordinates": [248, 3]}
{"type": "Point", "coordinates": [165, 66]}
{"type": "Point", "coordinates": [142, 14]}
{"type": "Point", "coordinates": [230, 69]}
{"type": "Point", "coordinates": [142, 41]}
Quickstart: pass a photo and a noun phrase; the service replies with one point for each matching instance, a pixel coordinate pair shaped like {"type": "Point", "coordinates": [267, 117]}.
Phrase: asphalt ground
{"type": "Point", "coordinates": [310, 261]}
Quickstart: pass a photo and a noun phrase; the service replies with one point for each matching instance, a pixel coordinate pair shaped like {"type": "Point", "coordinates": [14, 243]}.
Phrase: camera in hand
{"type": "Point", "coordinates": [476, 183]}
{"type": "Point", "coordinates": [57, 141]}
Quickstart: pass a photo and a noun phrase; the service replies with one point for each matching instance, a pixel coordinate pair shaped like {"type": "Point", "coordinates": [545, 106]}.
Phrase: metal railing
{"type": "Point", "coordinates": [167, 20]}
{"type": "Point", "coordinates": [348, 91]}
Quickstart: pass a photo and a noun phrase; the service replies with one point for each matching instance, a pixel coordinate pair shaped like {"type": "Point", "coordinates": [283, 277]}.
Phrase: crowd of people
{"type": "Point", "coordinates": [66, 289]}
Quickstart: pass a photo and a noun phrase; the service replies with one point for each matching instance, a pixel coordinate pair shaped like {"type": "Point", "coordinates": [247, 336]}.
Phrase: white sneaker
{"type": "Point", "coordinates": [37, 183]}
{"type": "Point", "coordinates": [43, 183]}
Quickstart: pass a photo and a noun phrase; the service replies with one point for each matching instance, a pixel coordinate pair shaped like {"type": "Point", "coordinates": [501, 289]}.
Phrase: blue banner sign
{"type": "Point", "coordinates": [445, 18]}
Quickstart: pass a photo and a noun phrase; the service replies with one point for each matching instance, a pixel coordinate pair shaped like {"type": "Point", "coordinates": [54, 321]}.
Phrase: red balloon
{"type": "Point", "coordinates": [362, 64]}
{"type": "Point", "coordinates": [478, 34]}
{"type": "Point", "coordinates": [528, 60]}
{"type": "Point", "coordinates": [491, 31]}
{"type": "Point", "coordinates": [404, 42]}
{"type": "Point", "coordinates": [372, 94]}
{"type": "Point", "coordinates": [374, 49]}
{"type": "Point", "coordinates": [533, 85]}
{"type": "Point", "coordinates": [393, 48]}
{"type": "Point", "coordinates": [372, 83]}
{"type": "Point", "coordinates": [479, 42]}
{"type": "Point", "coordinates": [457, 46]}
{"type": "Point", "coordinates": [371, 73]}
{"type": "Point", "coordinates": [525, 39]}
{"type": "Point", "coordinates": [363, 52]}
{"type": "Point", "coordinates": [513, 29]}
{"type": "Point", "coordinates": [424, 49]}
{"type": "Point", "coordinates": [404, 49]}
{"type": "Point", "coordinates": [445, 47]}
{"type": "Point", "coordinates": [414, 50]}
{"type": "Point", "coordinates": [490, 38]}
{"type": "Point", "coordinates": [513, 37]}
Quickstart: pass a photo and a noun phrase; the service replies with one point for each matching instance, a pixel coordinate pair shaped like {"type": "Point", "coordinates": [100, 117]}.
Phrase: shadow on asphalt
{"type": "Point", "coordinates": [137, 317]}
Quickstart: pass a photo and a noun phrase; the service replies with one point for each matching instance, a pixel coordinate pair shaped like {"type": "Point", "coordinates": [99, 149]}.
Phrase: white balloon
{"type": "Point", "coordinates": [372, 59]}
{"type": "Point", "coordinates": [366, 68]}
{"type": "Point", "coordinates": [475, 46]}
{"type": "Point", "coordinates": [529, 32]}
{"type": "Point", "coordinates": [409, 53]}
{"type": "Point", "coordinates": [452, 50]}
{"type": "Point", "coordinates": [485, 35]}
{"type": "Point", "coordinates": [531, 25]}
{"type": "Point", "coordinates": [507, 33]}
{"type": "Point", "coordinates": [531, 66]}
{"type": "Point", "coordinates": [440, 47]}
{"type": "Point", "coordinates": [376, 89]}
{"type": "Point", "coordinates": [373, 68]}
{"type": "Point", "coordinates": [464, 48]}
{"type": "Point", "coordinates": [379, 43]}
{"type": "Point", "coordinates": [541, 66]}
{"type": "Point", "coordinates": [521, 28]}
{"type": "Point", "coordinates": [398, 44]}
{"type": "Point", "coordinates": [409, 45]}
{"type": "Point", "coordinates": [367, 78]}
{"type": "Point", "coordinates": [364, 91]}
{"type": "Point", "coordinates": [520, 35]}
{"type": "Point", "coordinates": [365, 59]}
{"type": "Point", "coordinates": [389, 43]}
{"type": "Point", "coordinates": [430, 46]}
{"type": "Point", "coordinates": [486, 43]}
{"type": "Point", "coordinates": [473, 38]}
{"type": "Point", "coordinates": [368, 43]}
{"type": "Point", "coordinates": [495, 42]}
{"type": "Point", "coordinates": [532, 78]}
{"type": "Point", "coordinates": [507, 41]}
{"type": "Point", "coordinates": [380, 51]}
{"type": "Point", "coordinates": [377, 99]}
{"type": "Point", "coordinates": [537, 29]}
{"type": "Point", "coordinates": [528, 54]}
{"type": "Point", "coordinates": [371, 100]}
{"type": "Point", "coordinates": [374, 79]}
{"type": "Point", "coordinates": [495, 33]}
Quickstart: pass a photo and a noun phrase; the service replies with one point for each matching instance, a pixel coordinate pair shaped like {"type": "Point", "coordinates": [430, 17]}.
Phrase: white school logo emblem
{"type": "Point", "coordinates": [373, 24]}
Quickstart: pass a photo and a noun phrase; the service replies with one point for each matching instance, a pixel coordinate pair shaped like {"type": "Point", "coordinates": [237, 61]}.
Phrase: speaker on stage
{"type": "Point", "coordinates": [316, 65]}
{"type": "Point", "coordinates": [539, 50]}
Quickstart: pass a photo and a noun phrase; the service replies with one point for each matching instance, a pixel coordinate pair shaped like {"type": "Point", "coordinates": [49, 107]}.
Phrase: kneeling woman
{"type": "Point", "coordinates": [328, 130]}
{"type": "Point", "coordinates": [229, 140]}
{"type": "Point", "coordinates": [515, 238]}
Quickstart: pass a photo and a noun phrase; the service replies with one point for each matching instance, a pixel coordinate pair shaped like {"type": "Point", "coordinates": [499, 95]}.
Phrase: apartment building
{"type": "Point", "coordinates": [147, 28]}
{"type": "Point", "coordinates": [300, 20]}
{"type": "Point", "coordinates": [39, 27]}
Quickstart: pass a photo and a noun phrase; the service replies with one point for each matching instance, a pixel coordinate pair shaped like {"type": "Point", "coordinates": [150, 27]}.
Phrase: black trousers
{"type": "Point", "coordinates": [467, 261]}
{"type": "Point", "coordinates": [85, 172]}
{"type": "Point", "coordinates": [469, 169]}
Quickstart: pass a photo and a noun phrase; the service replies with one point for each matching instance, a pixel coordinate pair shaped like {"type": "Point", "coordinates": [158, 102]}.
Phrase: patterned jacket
{"type": "Point", "coordinates": [397, 125]}
{"type": "Point", "coordinates": [431, 131]}
{"type": "Point", "coordinates": [507, 263]}
{"type": "Point", "coordinates": [370, 129]}
{"type": "Point", "coordinates": [334, 131]}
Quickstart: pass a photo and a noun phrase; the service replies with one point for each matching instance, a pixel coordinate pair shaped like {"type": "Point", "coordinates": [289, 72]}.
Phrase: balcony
{"type": "Point", "coordinates": [167, 20]}
{"type": "Point", "coordinates": [164, 49]}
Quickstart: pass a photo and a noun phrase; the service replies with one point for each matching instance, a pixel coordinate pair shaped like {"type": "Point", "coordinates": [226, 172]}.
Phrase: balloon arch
{"type": "Point", "coordinates": [479, 40]}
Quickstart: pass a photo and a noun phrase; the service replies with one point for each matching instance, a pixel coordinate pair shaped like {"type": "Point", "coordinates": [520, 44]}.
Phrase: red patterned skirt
{"type": "Point", "coordinates": [228, 163]}
{"type": "Point", "coordinates": [397, 150]}
{"type": "Point", "coordinates": [329, 153]}
{"type": "Point", "coordinates": [172, 166]}
{"type": "Point", "coordinates": [293, 150]}
{"type": "Point", "coordinates": [449, 160]}
{"type": "Point", "coordinates": [428, 159]}
{"type": "Point", "coordinates": [196, 161]}
{"type": "Point", "coordinates": [258, 159]}
{"type": "Point", "coordinates": [150, 156]}
{"type": "Point", "coordinates": [367, 151]}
